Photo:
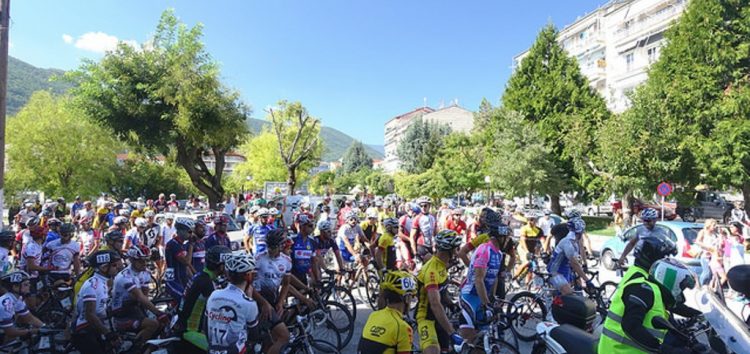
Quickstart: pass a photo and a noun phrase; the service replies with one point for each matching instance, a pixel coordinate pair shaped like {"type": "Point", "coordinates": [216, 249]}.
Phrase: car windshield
{"type": "Point", "coordinates": [690, 233]}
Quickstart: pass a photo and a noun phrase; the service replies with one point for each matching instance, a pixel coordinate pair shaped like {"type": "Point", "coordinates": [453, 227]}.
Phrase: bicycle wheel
{"type": "Point", "coordinates": [154, 288]}
{"type": "Point", "coordinates": [325, 330]}
{"type": "Point", "coordinates": [532, 312]}
{"type": "Point", "coordinates": [343, 296]}
{"type": "Point", "coordinates": [311, 346]}
{"type": "Point", "coordinates": [372, 290]}
{"type": "Point", "coordinates": [342, 320]}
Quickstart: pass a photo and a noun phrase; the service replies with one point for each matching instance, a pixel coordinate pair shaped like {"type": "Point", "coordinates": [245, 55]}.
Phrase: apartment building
{"type": "Point", "coordinates": [616, 43]}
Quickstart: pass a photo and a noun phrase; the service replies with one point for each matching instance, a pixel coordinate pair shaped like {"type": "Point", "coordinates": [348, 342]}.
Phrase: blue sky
{"type": "Point", "coordinates": [353, 63]}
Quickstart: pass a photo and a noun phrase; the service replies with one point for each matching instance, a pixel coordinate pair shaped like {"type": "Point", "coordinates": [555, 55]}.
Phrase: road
{"type": "Point", "coordinates": [364, 310]}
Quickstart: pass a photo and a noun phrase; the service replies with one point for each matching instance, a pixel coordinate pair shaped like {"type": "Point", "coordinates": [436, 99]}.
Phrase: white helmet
{"type": "Point", "coordinates": [169, 216]}
{"type": "Point", "coordinates": [125, 212]}
{"type": "Point", "coordinates": [239, 263]}
{"type": "Point", "coordinates": [372, 213]}
{"type": "Point", "coordinates": [263, 212]}
{"type": "Point", "coordinates": [273, 211]}
{"type": "Point", "coordinates": [649, 214]}
{"type": "Point", "coordinates": [673, 276]}
{"type": "Point", "coordinates": [351, 215]}
{"type": "Point", "coordinates": [149, 214]}
{"type": "Point", "coordinates": [120, 220]}
{"type": "Point", "coordinates": [141, 222]}
{"type": "Point", "coordinates": [325, 226]}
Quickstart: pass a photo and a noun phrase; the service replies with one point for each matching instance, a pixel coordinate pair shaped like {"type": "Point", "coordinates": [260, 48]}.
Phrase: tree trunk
{"type": "Point", "coordinates": [627, 210]}
{"type": "Point", "coordinates": [191, 159]}
{"type": "Point", "coordinates": [291, 180]}
{"type": "Point", "coordinates": [554, 203]}
{"type": "Point", "coordinates": [746, 192]}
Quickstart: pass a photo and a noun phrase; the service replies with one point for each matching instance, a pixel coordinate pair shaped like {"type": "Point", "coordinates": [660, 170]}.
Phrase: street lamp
{"type": "Point", "coordinates": [488, 180]}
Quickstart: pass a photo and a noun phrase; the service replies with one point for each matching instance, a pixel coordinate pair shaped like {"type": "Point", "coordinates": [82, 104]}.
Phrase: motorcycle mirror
{"type": "Point", "coordinates": [661, 323]}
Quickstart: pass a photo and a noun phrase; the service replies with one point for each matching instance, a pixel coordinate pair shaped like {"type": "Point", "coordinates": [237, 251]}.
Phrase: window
{"type": "Point", "coordinates": [629, 59]}
{"type": "Point", "coordinates": [653, 54]}
{"type": "Point", "coordinates": [668, 232]}
{"type": "Point", "coordinates": [632, 232]}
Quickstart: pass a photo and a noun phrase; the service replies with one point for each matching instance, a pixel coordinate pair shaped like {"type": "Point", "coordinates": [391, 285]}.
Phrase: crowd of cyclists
{"type": "Point", "coordinates": [113, 254]}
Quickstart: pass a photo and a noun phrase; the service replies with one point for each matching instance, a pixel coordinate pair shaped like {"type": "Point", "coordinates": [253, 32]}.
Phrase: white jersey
{"type": "Point", "coordinates": [93, 289]}
{"type": "Point", "coordinates": [24, 215]}
{"type": "Point", "coordinates": [32, 250]}
{"type": "Point", "coordinates": [125, 281]}
{"type": "Point", "coordinates": [134, 237]}
{"type": "Point", "coordinates": [26, 238]}
{"type": "Point", "coordinates": [10, 307]}
{"type": "Point", "coordinates": [87, 239]}
{"type": "Point", "coordinates": [271, 271]}
{"type": "Point", "coordinates": [349, 232]}
{"type": "Point", "coordinates": [229, 313]}
{"type": "Point", "coordinates": [166, 233]}
{"type": "Point", "coordinates": [60, 255]}
{"type": "Point", "coordinates": [152, 233]}
{"type": "Point", "coordinates": [6, 262]}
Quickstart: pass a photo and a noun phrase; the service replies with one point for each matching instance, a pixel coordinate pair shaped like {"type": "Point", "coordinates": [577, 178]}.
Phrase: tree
{"type": "Point", "coordinates": [379, 183]}
{"type": "Point", "coordinates": [298, 138]}
{"type": "Point", "coordinates": [55, 148]}
{"type": "Point", "coordinates": [461, 164]}
{"type": "Point", "coordinates": [140, 176]}
{"type": "Point", "coordinates": [166, 96]}
{"type": "Point", "coordinates": [420, 145]}
{"type": "Point", "coordinates": [322, 183]}
{"type": "Point", "coordinates": [355, 158]}
{"type": "Point", "coordinates": [550, 92]}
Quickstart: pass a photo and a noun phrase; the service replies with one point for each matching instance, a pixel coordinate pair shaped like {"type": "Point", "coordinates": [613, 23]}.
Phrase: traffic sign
{"type": "Point", "coordinates": [664, 189]}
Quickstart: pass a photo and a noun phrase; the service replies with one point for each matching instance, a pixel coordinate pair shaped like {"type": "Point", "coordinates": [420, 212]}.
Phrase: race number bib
{"type": "Point", "coordinates": [169, 274]}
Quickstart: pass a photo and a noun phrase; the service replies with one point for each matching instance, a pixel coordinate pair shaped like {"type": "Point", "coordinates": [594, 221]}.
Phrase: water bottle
{"type": "Point", "coordinates": [458, 342]}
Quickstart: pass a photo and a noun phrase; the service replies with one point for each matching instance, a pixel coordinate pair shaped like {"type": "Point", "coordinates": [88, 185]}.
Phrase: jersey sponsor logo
{"type": "Point", "coordinates": [225, 314]}
{"type": "Point", "coordinates": [424, 334]}
{"type": "Point", "coordinates": [8, 305]}
{"type": "Point", "coordinates": [377, 331]}
{"type": "Point", "coordinates": [303, 254]}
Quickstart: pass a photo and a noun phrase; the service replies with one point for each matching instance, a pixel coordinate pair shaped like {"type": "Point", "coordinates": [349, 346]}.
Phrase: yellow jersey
{"type": "Point", "coordinates": [386, 332]}
{"type": "Point", "coordinates": [433, 275]}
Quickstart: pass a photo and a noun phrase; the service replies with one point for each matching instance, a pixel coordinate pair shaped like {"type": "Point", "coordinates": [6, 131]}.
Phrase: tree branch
{"type": "Point", "coordinates": [302, 123]}
{"type": "Point", "coordinates": [596, 171]}
{"type": "Point", "coordinates": [277, 130]}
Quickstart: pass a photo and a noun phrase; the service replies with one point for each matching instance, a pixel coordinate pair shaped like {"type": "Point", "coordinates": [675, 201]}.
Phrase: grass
{"type": "Point", "coordinates": [599, 225]}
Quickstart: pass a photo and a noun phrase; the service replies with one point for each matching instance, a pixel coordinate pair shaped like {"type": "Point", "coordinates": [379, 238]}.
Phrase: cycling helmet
{"type": "Point", "coordinates": [169, 216]}
{"type": "Point", "coordinates": [141, 222]}
{"type": "Point", "coordinates": [7, 235]}
{"type": "Point", "coordinates": [125, 213]}
{"type": "Point", "coordinates": [263, 212]}
{"type": "Point", "coordinates": [275, 238]}
{"type": "Point", "coordinates": [416, 209]}
{"type": "Point", "coordinates": [390, 222]}
{"type": "Point", "coordinates": [672, 276]}
{"type": "Point", "coordinates": [577, 225]}
{"type": "Point", "coordinates": [378, 203]}
{"type": "Point", "coordinates": [458, 211]}
{"type": "Point", "coordinates": [149, 214]}
{"type": "Point", "coordinates": [217, 254]}
{"type": "Point", "coordinates": [221, 220]}
{"type": "Point", "coordinates": [15, 277]}
{"type": "Point", "coordinates": [239, 263]}
{"type": "Point", "coordinates": [101, 258]}
{"type": "Point", "coordinates": [139, 252]}
{"type": "Point", "coordinates": [54, 222]}
{"type": "Point", "coordinates": [490, 219]}
{"type": "Point", "coordinates": [503, 230]}
{"type": "Point", "coordinates": [654, 247]}
{"type": "Point", "coordinates": [372, 213]}
{"type": "Point", "coordinates": [447, 240]}
{"type": "Point", "coordinates": [67, 229]}
{"type": "Point", "coordinates": [184, 226]}
{"type": "Point", "coordinates": [113, 236]}
{"type": "Point", "coordinates": [649, 214]}
{"type": "Point", "coordinates": [303, 219]}
{"type": "Point", "coordinates": [120, 220]}
{"type": "Point", "coordinates": [351, 215]}
{"type": "Point", "coordinates": [424, 200]}
{"type": "Point", "coordinates": [325, 226]}
{"type": "Point", "coordinates": [573, 214]}
{"type": "Point", "coordinates": [400, 282]}
{"type": "Point", "coordinates": [33, 221]}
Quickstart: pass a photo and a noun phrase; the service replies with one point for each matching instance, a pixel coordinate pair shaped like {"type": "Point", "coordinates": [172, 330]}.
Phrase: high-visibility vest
{"type": "Point", "coordinates": [613, 339]}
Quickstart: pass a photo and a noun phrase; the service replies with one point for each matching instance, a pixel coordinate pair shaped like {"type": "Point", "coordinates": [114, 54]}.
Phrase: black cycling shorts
{"type": "Point", "coordinates": [88, 342]}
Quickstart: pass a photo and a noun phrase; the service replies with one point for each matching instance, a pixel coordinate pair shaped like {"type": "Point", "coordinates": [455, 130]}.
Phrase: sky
{"type": "Point", "coordinates": [354, 64]}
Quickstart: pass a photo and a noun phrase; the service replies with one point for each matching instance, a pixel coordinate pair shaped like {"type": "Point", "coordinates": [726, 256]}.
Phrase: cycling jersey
{"type": "Point", "coordinates": [152, 233]}
{"type": "Point", "coordinates": [531, 231]}
{"type": "Point", "coordinates": [230, 315]}
{"type": "Point", "coordinates": [259, 233]}
{"type": "Point", "coordinates": [191, 319]}
{"type": "Point", "coordinates": [426, 226]}
{"type": "Point", "coordinates": [387, 244]}
{"type": "Point", "coordinates": [458, 226]}
{"type": "Point", "coordinates": [51, 236]}
{"type": "Point", "coordinates": [94, 289]}
{"type": "Point", "coordinates": [10, 307]}
{"type": "Point", "coordinates": [385, 332]}
{"type": "Point", "coordinates": [405, 224]}
{"type": "Point", "coordinates": [217, 240]}
{"type": "Point", "coordinates": [125, 281]}
{"type": "Point", "coordinates": [370, 230]}
{"type": "Point", "coordinates": [166, 233]}
{"type": "Point", "coordinates": [60, 255]}
{"type": "Point", "coordinates": [433, 275]}
{"type": "Point", "coordinates": [34, 251]}
{"type": "Point", "coordinates": [199, 255]}
{"type": "Point", "coordinates": [176, 272]}
{"type": "Point", "coordinates": [303, 250]}
{"type": "Point", "coordinates": [350, 233]}
{"type": "Point", "coordinates": [566, 250]}
{"type": "Point", "coordinates": [134, 237]}
{"type": "Point", "coordinates": [322, 246]}
{"type": "Point", "coordinates": [270, 273]}
{"type": "Point", "coordinates": [88, 240]}
{"type": "Point", "coordinates": [490, 258]}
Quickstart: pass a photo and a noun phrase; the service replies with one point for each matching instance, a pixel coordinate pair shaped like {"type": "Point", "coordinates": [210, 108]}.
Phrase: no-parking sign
{"type": "Point", "coordinates": [664, 189]}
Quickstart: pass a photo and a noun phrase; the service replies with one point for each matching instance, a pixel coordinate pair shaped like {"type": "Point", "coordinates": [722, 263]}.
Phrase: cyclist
{"type": "Point", "coordinates": [324, 243]}
{"type": "Point", "coordinates": [532, 240]}
{"type": "Point", "coordinates": [179, 258]}
{"type": "Point", "coordinates": [113, 240]}
{"type": "Point", "coordinates": [385, 252]}
{"type": "Point", "coordinates": [423, 229]}
{"type": "Point", "coordinates": [91, 335]}
{"type": "Point", "coordinates": [480, 284]}
{"type": "Point", "coordinates": [130, 298]}
{"type": "Point", "coordinates": [303, 251]}
{"type": "Point", "coordinates": [566, 261]}
{"type": "Point", "coordinates": [191, 312]}
{"type": "Point", "coordinates": [629, 325]}
{"type": "Point", "coordinates": [199, 245]}
{"type": "Point", "coordinates": [261, 230]}
{"type": "Point", "coordinates": [232, 316]}
{"type": "Point", "coordinates": [648, 216]}
{"type": "Point", "coordinates": [350, 237]}
{"type": "Point", "coordinates": [219, 236]}
{"type": "Point", "coordinates": [651, 249]}
{"type": "Point", "coordinates": [53, 230]}
{"type": "Point", "coordinates": [404, 235]}
{"type": "Point", "coordinates": [7, 238]}
{"type": "Point", "coordinates": [455, 223]}
{"type": "Point", "coordinates": [385, 331]}
{"type": "Point", "coordinates": [27, 234]}
{"type": "Point", "coordinates": [433, 326]}
{"type": "Point", "coordinates": [88, 237]}
{"type": "Point", "coordinates": [13, 310]}
{"type": "Point", "coordinates": [487, 221]}
{"type": "Point", "coordinates": [136, 235]}
{"type": "Point", "coordinates": [370, 227]}
{"type": "Point", "coordinates": [61, 253]}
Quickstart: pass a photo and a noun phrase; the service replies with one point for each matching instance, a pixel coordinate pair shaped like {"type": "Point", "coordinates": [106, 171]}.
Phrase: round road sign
{"type": "Point", "coordinates": [664, 189]}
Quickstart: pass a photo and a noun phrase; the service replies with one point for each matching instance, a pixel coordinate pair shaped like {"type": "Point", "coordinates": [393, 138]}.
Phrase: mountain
{"type": "Point", "coordinates": [24, 79]}
{"type": "Point", "coordinates": [335, 142]}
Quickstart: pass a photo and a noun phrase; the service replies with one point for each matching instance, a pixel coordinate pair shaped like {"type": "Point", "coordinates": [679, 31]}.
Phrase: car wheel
{"type": "Point", "coordinates": [607, 260]}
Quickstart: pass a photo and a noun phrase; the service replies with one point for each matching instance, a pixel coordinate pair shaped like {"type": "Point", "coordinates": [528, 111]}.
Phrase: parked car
{"type": "Point", "coordinates": [670, 208]}
{"type": "Point", "coordinates": [235, 233]}
{"type": "Point", "coordinates": [682, 233]}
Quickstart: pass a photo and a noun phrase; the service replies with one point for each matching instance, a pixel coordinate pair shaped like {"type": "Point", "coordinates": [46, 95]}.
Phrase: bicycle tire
{"type": "Point", "coordinates": [342, 320]}
{"type": "Point", "coordinates": [327, 332]}
{"type": "Point", "coordinates": [372, 289]}
{"type": "Point", "coordinates": [345, 297]}
{"type": "Point", "coordinates": [532, 307]}
{"type": "Point", "coordinates": [300, 347]}
{"type": "Point", "coordinates": [498, 346]}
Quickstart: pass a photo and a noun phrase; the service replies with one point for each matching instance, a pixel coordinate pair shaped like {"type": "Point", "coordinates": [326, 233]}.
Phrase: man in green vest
{"type": "Point", "coordinates": [629, 327]}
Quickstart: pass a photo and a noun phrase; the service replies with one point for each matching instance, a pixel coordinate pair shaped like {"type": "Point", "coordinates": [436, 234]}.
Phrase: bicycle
{"type": "Point", "coordinates": [534, 308]}
{"type": "Point", "coordinates": [56, 308]}
{"type": "Point", "coordinates": [301, 341]}
{"type": "Point", "coordinates": [48, 340]}
{"type": "Point", "coordinates": [498, 336]}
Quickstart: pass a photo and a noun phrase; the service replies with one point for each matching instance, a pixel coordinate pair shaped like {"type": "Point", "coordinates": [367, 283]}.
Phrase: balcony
{"type": "Point", "coordinates": [650, 22]}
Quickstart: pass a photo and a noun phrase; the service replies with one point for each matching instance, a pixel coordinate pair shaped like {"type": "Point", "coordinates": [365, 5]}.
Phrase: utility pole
{"type": "Point", "coordinates": [4, 29]}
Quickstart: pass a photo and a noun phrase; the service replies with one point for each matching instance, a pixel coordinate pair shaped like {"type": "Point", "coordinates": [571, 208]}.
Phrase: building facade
{"type": "Point", "coordinates": [616, 43]}
{"type": "Point", "coordinates": [457, 118]}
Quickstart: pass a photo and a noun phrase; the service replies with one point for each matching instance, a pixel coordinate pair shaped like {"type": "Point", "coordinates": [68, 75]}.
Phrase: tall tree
{"type": "Point", "coordinates": [166, 96]}
{"type": "Point", "coordinates": [355, 158]}
{"type": "Point", "coordinates": [420, 145]}
{"type": "Point", "coordinates": [461, 164]}
{"type": "Point", "coordinates": [55, 148]}
{"type": "Point", "coordinates": [298, 138]}
{"type": "Point", "coordinates": [550, 92]}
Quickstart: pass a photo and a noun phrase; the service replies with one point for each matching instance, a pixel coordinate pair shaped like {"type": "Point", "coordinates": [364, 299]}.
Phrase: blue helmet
{"type": "Point", "coordinates": [577, 225]}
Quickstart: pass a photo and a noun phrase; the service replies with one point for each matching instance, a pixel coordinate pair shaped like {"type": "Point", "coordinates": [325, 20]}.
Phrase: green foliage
{"type": "Point", "coordinates": [322, 183]}
{"type": "Point", "coordinates": [54, 148]}
{"type": "Point", "coordinates": [166, 97]}
{"type": "Point", "coordinates": [412, 186]}
{"type": "Point", "coordinates": [379, 182]}
{"type": "Point", "coordinates": [24, 79]}
{"type": "Point", "coordinates": [140, 176]}
{"type": "Point", "coordinates": [421, 143]}
{"type": "Point", "coordinates": [460, 163]}
{"type": "Point", "coordinates": [549, 90]}
{"type": "Point", "coordinates": [297, 138]}
{"type": "Point", "coordinates": [355, 158]}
